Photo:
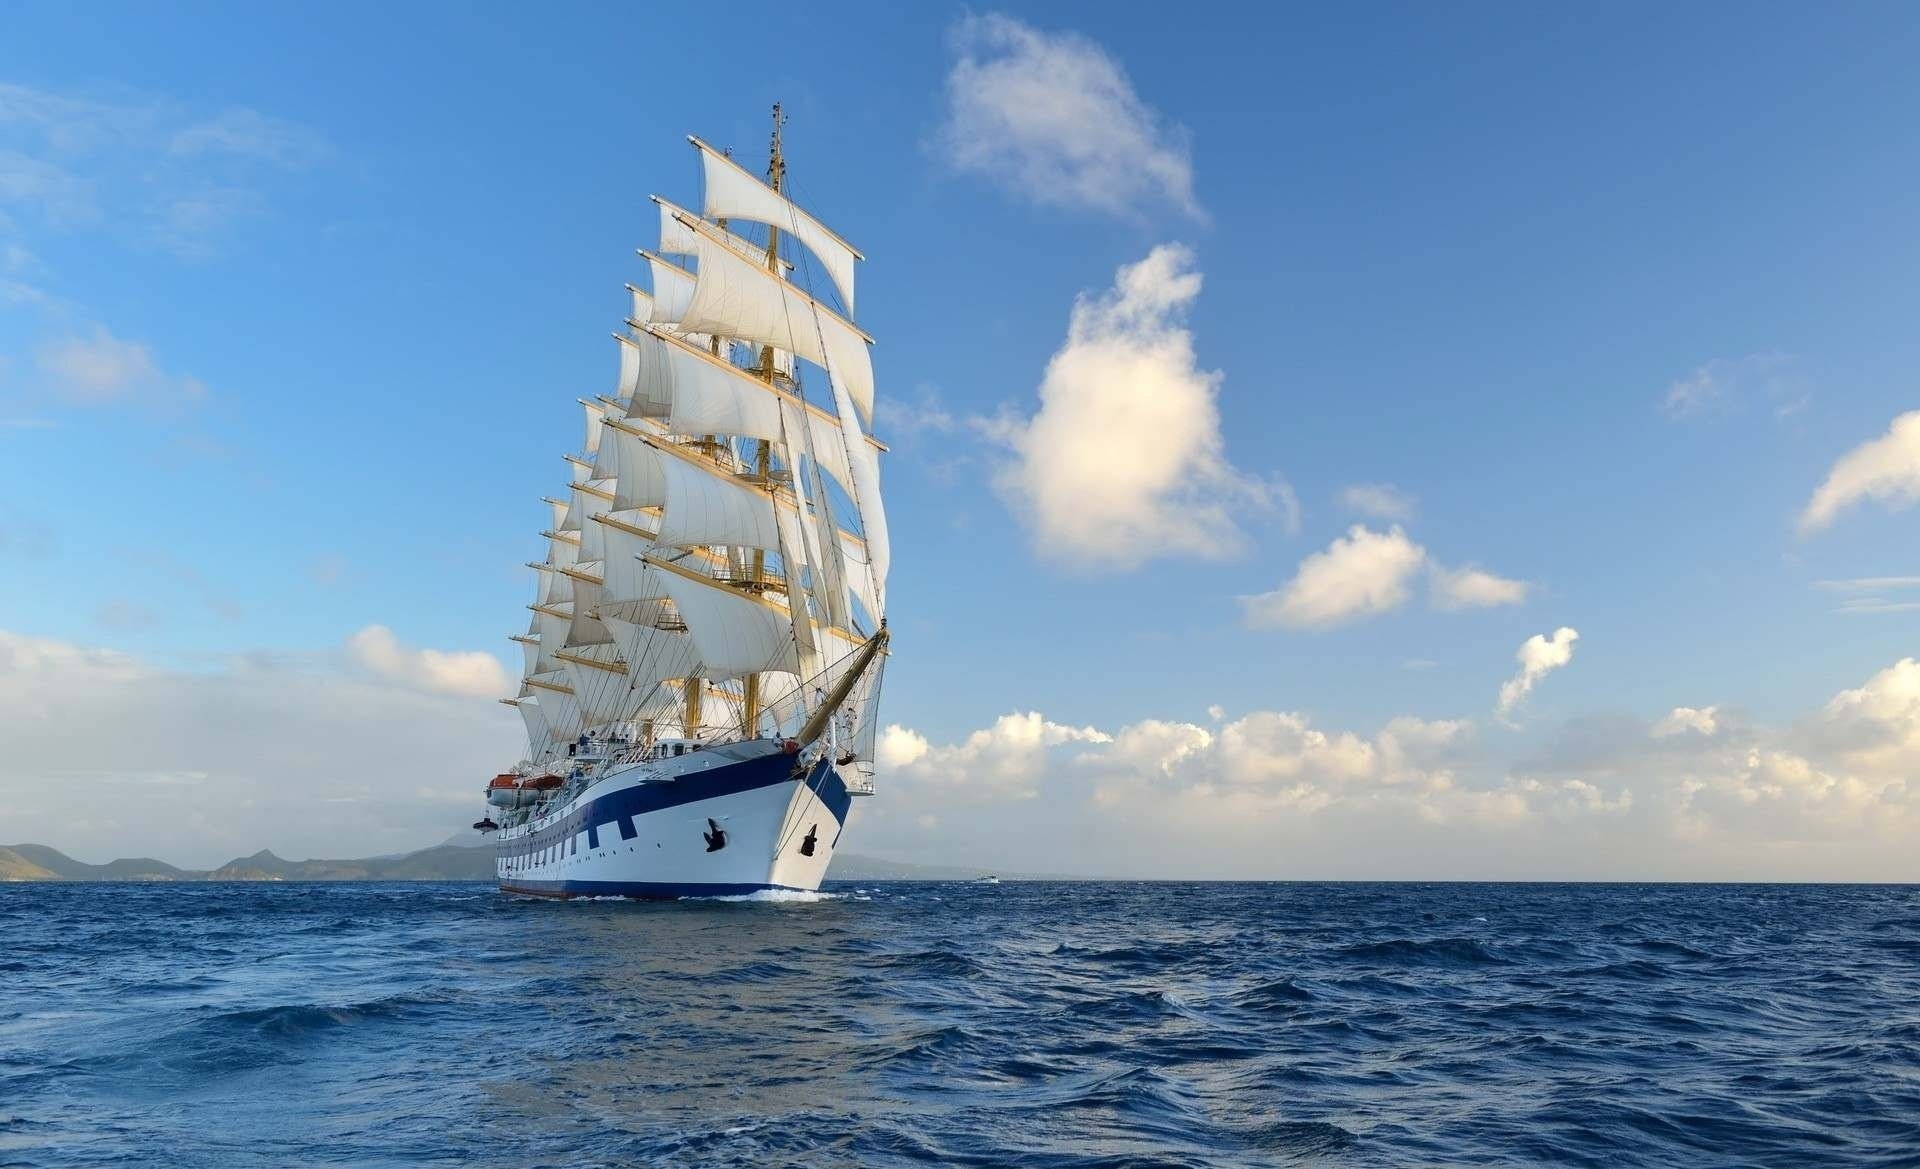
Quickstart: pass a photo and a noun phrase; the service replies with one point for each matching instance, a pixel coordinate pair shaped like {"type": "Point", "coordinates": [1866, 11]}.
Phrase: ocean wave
{"type": "Point", "coordinates": [772, 897]}
{"type": "Point", "coordinates": [1065, 1025]}
{"type": "Point", "coordinates": [1424, 952]}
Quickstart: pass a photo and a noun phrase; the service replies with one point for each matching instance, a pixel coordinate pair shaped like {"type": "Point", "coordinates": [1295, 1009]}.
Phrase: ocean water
{"type": "Point", "coordinates": [943, 1024]}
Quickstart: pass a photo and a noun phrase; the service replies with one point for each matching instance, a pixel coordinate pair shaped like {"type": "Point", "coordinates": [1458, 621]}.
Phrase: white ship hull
{"type": "Point", "coordinates": [723, 821]}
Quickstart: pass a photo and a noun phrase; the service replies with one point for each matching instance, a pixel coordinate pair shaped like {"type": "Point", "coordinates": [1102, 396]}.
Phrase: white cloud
{"type": "Point", "coordinates": [100, 369]}
{"type": "Point", "coordinates": [1382, 501]}
{"type": "Point", "coordinates": [1538, 656]}
{"type": "Point", "coordinates": [1124, 460]}
{"type": "Point", "coordinates": [1360, 574]}
{"type": "Point", "coordinates": [1684, 719]}
{"type": "Point", "coordinates": [1054, 118]}
{"type": "Point", "coordinates": [1005, 759]}
{"type": "Point", "coordinates": [1366, 573]}
{"type": "Point", "coordinates": [262, 751]}
{"type": "Point", "coordinates": [471, 673]}
{"type": "Point", "coordinates": [1275, 793]}
{"type": "Point", "coordinates": [1474, 588]}
{"type": "Point", "coordinates": [1886, 469]}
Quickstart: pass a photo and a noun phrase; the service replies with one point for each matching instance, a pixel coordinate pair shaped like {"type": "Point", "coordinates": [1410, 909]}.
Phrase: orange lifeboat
{"type": "Point", "coordinates": [513, 791]}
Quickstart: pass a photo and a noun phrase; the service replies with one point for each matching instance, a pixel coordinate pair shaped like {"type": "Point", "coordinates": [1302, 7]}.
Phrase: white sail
{"type": "Point", "coordinates": [640, 483]}
{"type": "Point", "coordinates": [561, 712]}
{"type": "Point", "coordinates": [672, 289]}
{"type": "Point", "coordinates": [820, 539]}
{"type": "Point", "coordinates": [642, 310]}
{"type": "Point", "coordinates": [705, 507]}
{"type": "Point", "coordinates": [710, 396]}
{"type": "Point", "coordinates": [599, 684]}
{"type": "Point", "coordinates": [864, 462]}
{"type": "Point", "coordinates": [552, 625]}
{"type": "Point", "coordinates": [655, 655]}
{"type": "Point", "coordinates": [534, 717]}
{"type": "Point", "coordinates": [595, 414]}
{"type": "Point", "coordinates": [735, 298]}
{"type": "Point", "coordinates": [676, 238]}
{"type": "Point", "coordinates": [645, 386]}
{"type": "Point", "coordinates": [529, 643]}
{"type": "Point", "coordinates": [586, 628]}
{"type": "Point", "coordinates": [735, 633]}
{"type": "Point", "coordinates": [623, 576]}
{"type": "Point", "coordinates": [732, 193]}
{"type": "Point", "coordinates": [861, 584]}
{"type": "Point", "coordinates": [555, 587]}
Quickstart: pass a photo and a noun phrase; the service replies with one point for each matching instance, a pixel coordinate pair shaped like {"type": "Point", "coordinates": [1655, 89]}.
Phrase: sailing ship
{"type": "Point", "coordinates": [705, 650]}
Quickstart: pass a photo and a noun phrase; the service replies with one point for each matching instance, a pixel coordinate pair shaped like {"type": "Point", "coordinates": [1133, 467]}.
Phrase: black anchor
{"type": "Point", "coordinates": [806, 844]}
{"type": "Point", "coordinates": [715, 836]}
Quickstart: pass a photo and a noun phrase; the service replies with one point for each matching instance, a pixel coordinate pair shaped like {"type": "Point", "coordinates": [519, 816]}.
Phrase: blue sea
{"type": "Point", "coordinates": [913, 1024]}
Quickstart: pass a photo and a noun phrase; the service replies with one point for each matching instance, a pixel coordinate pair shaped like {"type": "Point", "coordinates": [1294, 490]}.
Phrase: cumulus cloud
{"type": "Point", "coordinates": [1360, 574]}
{"type": "Point", "coordinates": [1474, 588]}
{"type": "Point", "coordinates": [1538, 656]}
{"type": "Point", "coordinates": [1366, 573]}
{"type": "Point", "coordinates": [1684, 719]}
{"type": "Point", "coordinates": [100, 369]}
{"type": "Point", "coordinates": [1005, 759]}
{"type": "Point", "coordinates": [1124, 460]}
{"type": "Point", "coordinates": [109, 754]}
{"type": "Point", "coordinates": [472, 673]}
{"type": "Point", "coordinates": [1054, 118]}
{"type": "Point", "coordinates": [1886, 469]}
{"type": "Point", "coordinates": [1277, 793]}
{"type": "Point", "coordinates": [1381, 501]}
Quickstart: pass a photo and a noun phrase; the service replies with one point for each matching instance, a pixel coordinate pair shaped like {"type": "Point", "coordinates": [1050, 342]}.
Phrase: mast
{"type": "Point", "coordinates": [763, 450]}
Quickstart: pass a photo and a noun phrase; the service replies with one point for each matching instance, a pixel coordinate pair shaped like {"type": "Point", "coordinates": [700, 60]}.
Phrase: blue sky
{"type": "Point", "coordinates": [348, 270]}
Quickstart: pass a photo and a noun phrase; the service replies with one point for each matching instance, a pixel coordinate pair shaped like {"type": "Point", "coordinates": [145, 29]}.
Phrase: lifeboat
{"type": "Point", "coordinates": [503, 791]}
{"type": "Point", "coordinates": [513, 791]}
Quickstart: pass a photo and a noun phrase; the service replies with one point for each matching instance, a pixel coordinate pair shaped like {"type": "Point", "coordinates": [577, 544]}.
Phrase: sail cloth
{"type": "Point", "coordinates": [642, 306]}
{"type": "Point", "coordinates": [596, 413]}
{"type": "Point", "coordinates": [865, 465]}
{"type": "Point", "coordinates": [639, 483]}
{"type": "Point", "coordinates": [700, 394]}
{"type": "Point", "coordinates": [735, 298]}
{"type": "Point", "coordinates": [642, 388]}
{"type": "Point", "coordinates": [734, 633]}
{"type": "Point", "coordinates": [672, 288]}
{"type": "Point", "coordinates": [676, 238]}
{"type": "Point", "coordinates": [732, 193]}
{"type": "Point", "coordinates": [705, 507]}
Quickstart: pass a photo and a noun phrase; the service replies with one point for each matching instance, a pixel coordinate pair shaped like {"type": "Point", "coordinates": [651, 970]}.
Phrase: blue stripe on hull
{"type": "Point", "coordinates": [640, 890]}
{"type": "Point", "coordinates": [618, 808]}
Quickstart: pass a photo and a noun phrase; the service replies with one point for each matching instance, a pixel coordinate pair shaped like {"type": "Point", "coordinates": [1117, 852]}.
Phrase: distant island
{"type": "Point", "coordinates": [443, 862]}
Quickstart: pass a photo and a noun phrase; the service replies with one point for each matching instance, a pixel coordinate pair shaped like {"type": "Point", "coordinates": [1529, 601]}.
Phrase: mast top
{"type": "Point", "coordinates": [777, 162]}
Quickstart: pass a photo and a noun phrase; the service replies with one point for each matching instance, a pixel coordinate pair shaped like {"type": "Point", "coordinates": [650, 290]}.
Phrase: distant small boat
{"type": "Point", "coordinates": [989, 879]}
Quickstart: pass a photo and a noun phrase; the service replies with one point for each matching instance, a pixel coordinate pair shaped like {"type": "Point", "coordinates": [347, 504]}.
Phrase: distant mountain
{"type": "Point", "coordinates": [37, 862]}
{"type": "Point", "coordinates": [459, 859]}
{"type": "Point", "coordinates": [53, 865]}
